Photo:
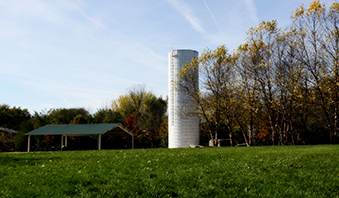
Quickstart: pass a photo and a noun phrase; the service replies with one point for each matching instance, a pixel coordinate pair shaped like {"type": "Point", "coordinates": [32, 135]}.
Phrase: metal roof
{"type": "Point", "coordinates": [80, 129]}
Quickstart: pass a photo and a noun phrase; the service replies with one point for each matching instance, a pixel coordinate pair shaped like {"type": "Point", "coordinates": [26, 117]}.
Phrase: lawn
{"type": "Point", "coordinates": [279, 171]}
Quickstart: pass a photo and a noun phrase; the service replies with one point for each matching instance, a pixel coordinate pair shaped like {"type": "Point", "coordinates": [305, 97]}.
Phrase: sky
{"type": "Point", "coordinates": [86, 53]}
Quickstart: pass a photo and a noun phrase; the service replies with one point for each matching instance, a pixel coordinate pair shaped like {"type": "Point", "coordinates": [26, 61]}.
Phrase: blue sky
{"type": "Point", "coordinates": [81, 53]}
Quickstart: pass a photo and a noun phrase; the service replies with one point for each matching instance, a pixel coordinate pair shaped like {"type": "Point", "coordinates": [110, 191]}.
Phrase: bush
{"type": "Point", "coordinates": [6, 144]}
{"type": "Point", "coordinates": [164, 142]}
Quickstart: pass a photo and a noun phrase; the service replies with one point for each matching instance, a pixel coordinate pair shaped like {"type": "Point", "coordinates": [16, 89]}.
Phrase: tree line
{"type": "Point", "coordinates": [278, 88]}
{"type": "Point", "coordinates": [139, 110]}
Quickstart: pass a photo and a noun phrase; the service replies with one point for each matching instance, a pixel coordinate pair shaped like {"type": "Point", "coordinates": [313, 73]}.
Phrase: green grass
{"type": "Point", "coordinates": [281, 171]}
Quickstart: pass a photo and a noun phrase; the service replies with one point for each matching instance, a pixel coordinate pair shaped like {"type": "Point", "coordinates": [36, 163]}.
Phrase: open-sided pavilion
{"type": "Point", "coordinates": [65, 130]}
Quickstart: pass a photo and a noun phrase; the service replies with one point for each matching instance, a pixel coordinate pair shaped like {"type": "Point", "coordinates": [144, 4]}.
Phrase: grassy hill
{"type": "Point", "coordinates": [280, 171]}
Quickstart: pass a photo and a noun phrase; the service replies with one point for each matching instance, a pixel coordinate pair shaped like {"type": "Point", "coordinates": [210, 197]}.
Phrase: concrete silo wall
{"type": "Point", "coordinates": [183, 129]}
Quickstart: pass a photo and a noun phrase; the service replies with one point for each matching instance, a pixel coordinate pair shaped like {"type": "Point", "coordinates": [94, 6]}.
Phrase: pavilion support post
{"type": "Point", "coordinates": [66, 141]}
{"type": "Point", "coordinates": [99, 142]}
{"type": "Point", "coordinates": [29, 143]}
{"type": "Point", "coordinates": [62, 142]}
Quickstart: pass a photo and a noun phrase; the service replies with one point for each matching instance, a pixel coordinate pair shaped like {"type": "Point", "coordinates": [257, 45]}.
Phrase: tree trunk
{"type": "Point", "coordinates": [242, 130]}
{"type": "Point", "coordinates": [272, 129]}
{"type": "Point", "coordinates": [251, 129]}
{"type": "Point", "coordinates": [230, 134]}
{"type": "Point", "coordinates": [335, 132]}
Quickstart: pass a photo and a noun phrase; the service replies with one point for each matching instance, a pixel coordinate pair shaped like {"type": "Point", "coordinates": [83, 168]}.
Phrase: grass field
{"type": "Point", "coordinates": [280, 171]}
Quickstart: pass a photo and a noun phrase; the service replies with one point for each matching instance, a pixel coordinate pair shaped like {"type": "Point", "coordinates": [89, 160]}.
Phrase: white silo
{"type": "Point", "coordinates": [183, 129]}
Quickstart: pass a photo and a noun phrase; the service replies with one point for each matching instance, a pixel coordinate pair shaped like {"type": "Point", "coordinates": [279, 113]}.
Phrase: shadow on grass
{"type": "Point", "coordinates": [14, 161]}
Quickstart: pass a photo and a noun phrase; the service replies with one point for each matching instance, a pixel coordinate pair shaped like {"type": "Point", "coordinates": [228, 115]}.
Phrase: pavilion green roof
{"type": "Point", "coordinates": [78, 129]}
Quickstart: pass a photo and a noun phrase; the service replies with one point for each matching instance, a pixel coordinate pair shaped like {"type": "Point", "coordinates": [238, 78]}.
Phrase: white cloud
{"type": "Point", "coordinates": [215, 21]}
{"type": "Point", "coordinates": [80, 52]}
{"type": "Point", "coordinates": [36, 8]}
{"type": "Point", "coordinates": [188, 13]}
{"type": "Point", "coordinates": [252, 10]}
{"type": "Point", "coordinates": [69, 105]}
